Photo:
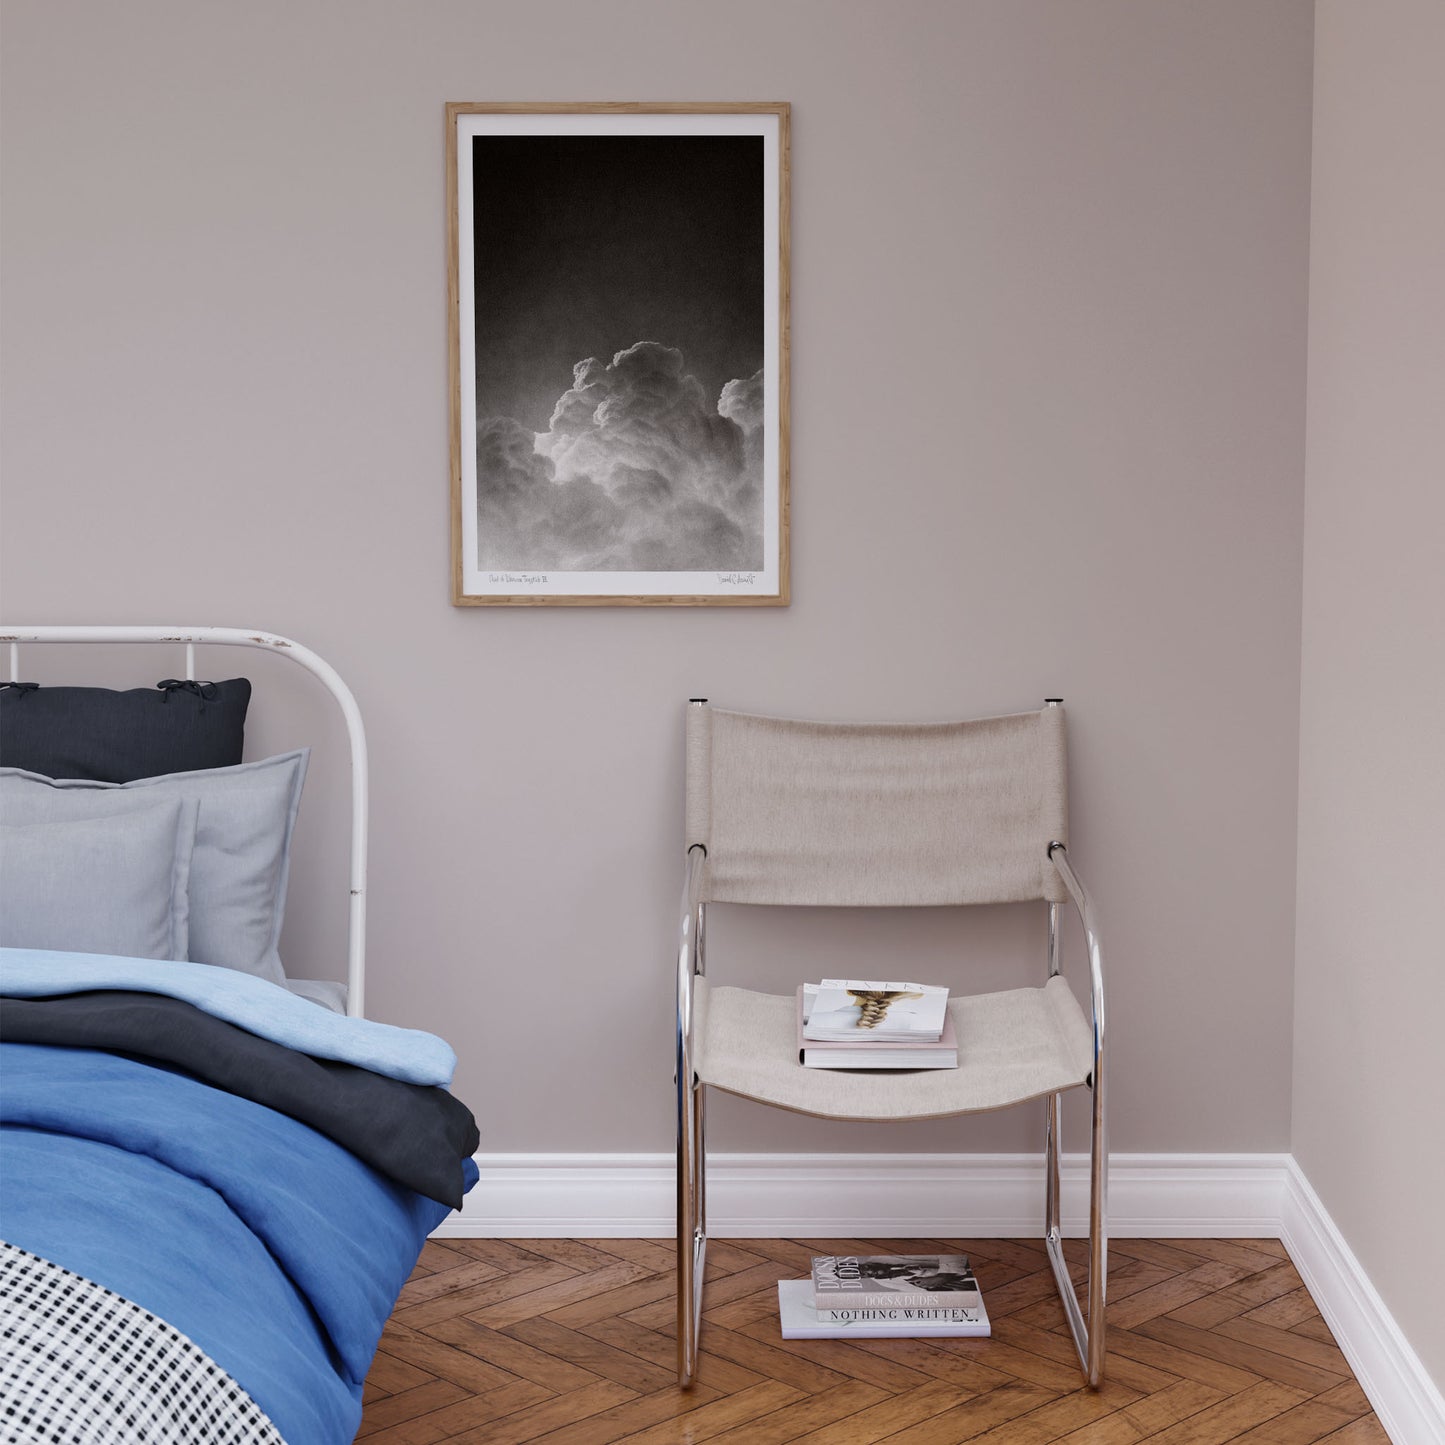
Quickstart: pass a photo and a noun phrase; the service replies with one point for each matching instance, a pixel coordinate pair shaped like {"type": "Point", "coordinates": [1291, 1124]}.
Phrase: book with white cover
{"type": "Point", "coordinates": [870, 1054]}
{"type": "Point", "coordinates": [884, 1281]}
{"type": "Point", "coordinates": [856, 1010]}
{"type": "Point", "coordinates": [800, 1321]}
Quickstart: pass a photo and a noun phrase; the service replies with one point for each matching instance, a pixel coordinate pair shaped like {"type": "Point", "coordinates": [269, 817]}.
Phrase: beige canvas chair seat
{"type": "Point", "coordinates": [1022, 1043]}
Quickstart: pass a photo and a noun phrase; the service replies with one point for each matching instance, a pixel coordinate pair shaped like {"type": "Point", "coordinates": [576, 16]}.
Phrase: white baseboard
{"type": "Point", "coordinates": [873, 1196]}
{"type": "Point", "coordinates": [1409, 1404]}
{"type": "Point", "coordinates": [870, 1195]}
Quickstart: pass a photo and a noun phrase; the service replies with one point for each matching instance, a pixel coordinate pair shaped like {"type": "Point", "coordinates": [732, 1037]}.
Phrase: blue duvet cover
{"type": "Point", "coordinates": [275, 1249]}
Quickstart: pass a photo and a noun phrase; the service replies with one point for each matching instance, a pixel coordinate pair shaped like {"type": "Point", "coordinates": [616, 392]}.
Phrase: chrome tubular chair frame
{"type": "Point", "coordinates": [691, 1129]}
{"type": "Point", "coordinates": [1088, 1331]}
{"type": "Point", "coordinates": [1086, 1324]}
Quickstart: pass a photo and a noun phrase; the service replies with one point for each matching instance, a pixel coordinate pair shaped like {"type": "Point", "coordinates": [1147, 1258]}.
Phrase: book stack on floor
{"type": "Point", "coordinates": [851, 1023]}
{"type": "Point", "coordinates": [883, 1296]}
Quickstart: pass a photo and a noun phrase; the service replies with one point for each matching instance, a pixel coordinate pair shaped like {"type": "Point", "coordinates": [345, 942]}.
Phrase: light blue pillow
{"type": "Point", "coordinates": [113, 884]}
{"type": "Point", "coordinates": [242, 852]}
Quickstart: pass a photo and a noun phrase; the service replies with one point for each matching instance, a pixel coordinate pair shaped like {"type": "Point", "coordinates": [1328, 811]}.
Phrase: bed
{"type": "Point", "coordinates": [214, 1178]}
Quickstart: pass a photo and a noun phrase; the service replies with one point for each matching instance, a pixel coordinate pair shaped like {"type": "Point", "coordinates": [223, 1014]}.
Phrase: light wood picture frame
{"type": "Point", "coordinates": [618, 298]}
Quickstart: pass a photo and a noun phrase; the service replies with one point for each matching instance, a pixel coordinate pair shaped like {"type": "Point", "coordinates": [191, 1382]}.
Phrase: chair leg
{"type": "Point", "coordinates": [1088, 1334]}
{"type": "Point", "coordinates": [691, 1224]}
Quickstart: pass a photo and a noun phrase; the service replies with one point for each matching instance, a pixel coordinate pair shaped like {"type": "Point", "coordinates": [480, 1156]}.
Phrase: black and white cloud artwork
{"type": "Point", "coordinates": [639, 471]}
{"type": "Point", "coordinates": [619, 337]}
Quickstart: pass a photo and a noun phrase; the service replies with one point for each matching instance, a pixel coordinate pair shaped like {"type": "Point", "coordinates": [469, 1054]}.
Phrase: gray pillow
{"type": "Point", "coordinates": [100, 885]}
{"type": "Point", "coordinates": [242, 853]}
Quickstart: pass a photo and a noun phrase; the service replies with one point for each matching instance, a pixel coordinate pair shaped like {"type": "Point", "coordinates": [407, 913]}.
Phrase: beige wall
{"type": "Point", "coordinates": [1369, 1082]}
{"type": "Point", "coordinates": [1049, 330]}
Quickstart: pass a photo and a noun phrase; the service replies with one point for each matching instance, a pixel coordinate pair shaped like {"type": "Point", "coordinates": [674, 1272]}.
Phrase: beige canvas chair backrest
{"type": "Point", "coordinates": [876, 814]}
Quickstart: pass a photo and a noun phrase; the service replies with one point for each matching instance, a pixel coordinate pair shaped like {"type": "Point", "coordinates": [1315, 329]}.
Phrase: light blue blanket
{"type": "Point", "coordinates": [251, 1003]}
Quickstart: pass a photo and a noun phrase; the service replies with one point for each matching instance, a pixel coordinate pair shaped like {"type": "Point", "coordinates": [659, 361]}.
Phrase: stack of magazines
{"type": "Point", "coordinates": [877, 1296]}
{"type": "Point", "coordinates": [863, 1023]}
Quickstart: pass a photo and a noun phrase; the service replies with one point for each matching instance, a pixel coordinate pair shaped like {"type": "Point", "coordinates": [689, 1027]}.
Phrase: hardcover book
{"type": "Point", "coordinates": [872, 1054]}
{"type": "Point", "coordinates": [879, 1010]}
{"type": "Point", "coordinates": [884, 1281]}
{"type": "Point", "coordinates": [801, 1321]}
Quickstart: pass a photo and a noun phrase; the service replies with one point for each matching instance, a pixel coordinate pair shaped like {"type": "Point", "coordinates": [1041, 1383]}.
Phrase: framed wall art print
{"type": "Point", "coordinates": [618, 300]}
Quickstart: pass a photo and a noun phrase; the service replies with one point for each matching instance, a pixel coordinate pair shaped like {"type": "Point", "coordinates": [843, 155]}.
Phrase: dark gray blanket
{"type": "Point", "coordinates": [412, 1133]}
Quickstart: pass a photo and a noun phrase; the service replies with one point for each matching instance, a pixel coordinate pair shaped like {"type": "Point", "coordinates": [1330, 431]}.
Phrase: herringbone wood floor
{"type": "Point", "coordinates": [570, 1342]}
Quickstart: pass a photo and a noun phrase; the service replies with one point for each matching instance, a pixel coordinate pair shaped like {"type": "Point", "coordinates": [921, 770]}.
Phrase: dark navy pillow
{"type": "Point", "coordinates": [116, 737]}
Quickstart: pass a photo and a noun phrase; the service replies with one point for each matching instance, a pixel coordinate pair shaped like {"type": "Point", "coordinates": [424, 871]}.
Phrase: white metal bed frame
{"type": "Point", "coordinates": [191, 638]}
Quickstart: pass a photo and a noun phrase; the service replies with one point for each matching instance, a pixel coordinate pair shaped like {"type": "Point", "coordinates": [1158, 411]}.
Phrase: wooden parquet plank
{"type": "Point", "coordinates": [1225, 1378]}
{"type": "Point", "coordinates": [1065, 1416]}
{"type": "Point", "coordinates": [978, 1417]}
{"type": "Point", "coordinates": [1211, 1311]}
{"type": "Point", "coordinates": [1281, 1368]}
{"type": "Point", "coordinates": [595, 1355]}
{"type": "Point", "coordinates": [1128, 1276]}
{"type": "Point", "coordinates": [630, 1296]}
{"type": "Point", "coordinates": [790, 1254]}
{"type": "Point", "coordinates": [390, 1375]}
{"type": "Point", "coordinates": [1348, 1397]}
{"type": "Point", "coordinates": [732, 1255]}
{"type": "Point", "coordinates": [1172, 1293]}
{"type": "Point", "coordinates": [528, 1424]}
{"type": "Point", "coordinates": [441, 1360]}
{"type": "Point", "coordinates": [510, 1254]}
{"type": "Point", "coordinates": [510, 1354]}
{"type": "Point", "coordinates": [771, 1360]}
{"type": "Point", "coordinates": [1227, 1419]}
{"type": "Point", "coordinates": [1166, 1407]}
{"type": "Point", "coordinates": [622, 1422]}
{"type": "Point", "coordinates": [761, 1305]}
{"type": "Point", "coordinates": [1115, 1429]}
{"type": "Point", "coordinates": [1265, 1246]}
{"type": "Point", "coordinates": [847, 1357]}
{"type": "Point", "coordinates": [1315, 1329]}
{"type": "Point", "coordinates": [1173, 1254]}
{"type": "Point", "coordinates": [1268, 1284]}
{"type": "Point", "coordinates": [474, 1411]}
{"type": "Point", "coordinates": [1243, 1253]}
{"type": "Point", "coordinates": [446, 1281]}
{"type": "Point", "coordinates": [758, 1278]}
{"type": "Point", "coordinates": [550, 1296]}
{"type": "Point", "coordinates": [571, 1342]}
{"type": "Point", "coordinates": [571, 1252]}
{"type": "Point", "coordinates": [722, 1415]}
{"type": "Point", "coordinates": [804, 1417]}
{"type": "Point", "coordinates": [941, 1360]}
{"type": "Point", "coordinates": [1368, 1431]}
{"type": "Point", "coordinates": [1057, 1345]}
{"type": "Point", "coordinates": [1024, 1291]}
{"type": "Point", "coordinates": [877, 1422]}
{"type": "Point", "coordinates": [439, 1254]}
{"type": "Point", "coordinates": [1285, 1311]}
{"type": "Point", "coordinates": [506, 1353]}
{"type": "Point", "coordinates": [719, 1374]}
{"type": "Point", "coordinates": [1287, 1342]}
{"type": "Point", "coordinates": [408, 1404]}
{"type": "Point", "coordinates": [479, 1296]}
{"type": "Point", "coordinates": [654, 1255]}
{"type": "Point", "coordinates": [1305, 1424]}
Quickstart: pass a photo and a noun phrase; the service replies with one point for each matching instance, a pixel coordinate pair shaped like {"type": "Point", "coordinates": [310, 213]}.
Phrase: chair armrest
{"type": "Point", "coordinates": [688, 958]}
{"type": "Point", "coordinates": [1059, 855]}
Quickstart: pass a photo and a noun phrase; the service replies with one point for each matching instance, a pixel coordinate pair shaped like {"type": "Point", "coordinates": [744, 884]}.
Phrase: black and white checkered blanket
{"type": "Point", "coordinates": [81, 1365]}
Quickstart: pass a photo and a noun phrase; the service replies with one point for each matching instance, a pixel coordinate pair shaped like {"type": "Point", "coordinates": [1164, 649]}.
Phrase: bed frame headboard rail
{"type": "Point", "coordinates": [318, 667]}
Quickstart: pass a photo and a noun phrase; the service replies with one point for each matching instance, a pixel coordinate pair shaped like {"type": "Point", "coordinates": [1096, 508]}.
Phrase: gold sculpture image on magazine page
{"type": "Point", "coordinates": [874, 1002]}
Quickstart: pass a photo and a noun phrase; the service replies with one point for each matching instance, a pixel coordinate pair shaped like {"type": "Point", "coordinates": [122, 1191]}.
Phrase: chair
{"type": "Point", "coordinates": [788, 812]}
